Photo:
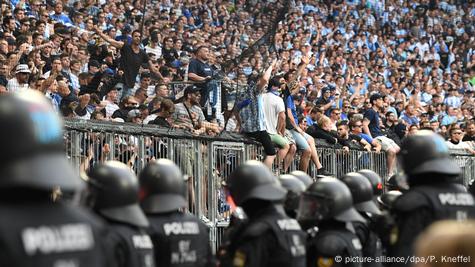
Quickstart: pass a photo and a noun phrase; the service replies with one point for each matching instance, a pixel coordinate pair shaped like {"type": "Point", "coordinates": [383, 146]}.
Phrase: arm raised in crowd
{"type": "Point", "coordinates": [115, 43]}
{"type": "Point", "coordinates": [264, 80]}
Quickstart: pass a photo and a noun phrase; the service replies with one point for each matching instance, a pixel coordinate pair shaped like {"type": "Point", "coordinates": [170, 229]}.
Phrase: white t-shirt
{"type": "Point", "coordinates": [273, 105]}
{"type": "Point", "coordinates": [460, 146]}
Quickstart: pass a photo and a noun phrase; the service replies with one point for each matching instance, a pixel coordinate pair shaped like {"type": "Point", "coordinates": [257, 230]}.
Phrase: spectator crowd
{"type": "Point", "coordinates": [356, 73]}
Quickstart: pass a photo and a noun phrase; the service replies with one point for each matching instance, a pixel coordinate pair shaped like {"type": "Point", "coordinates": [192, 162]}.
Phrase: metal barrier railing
{"type": "Point", "coordinates": [466, 162]}
{"type": "Point", "coordinates": [206, 161]}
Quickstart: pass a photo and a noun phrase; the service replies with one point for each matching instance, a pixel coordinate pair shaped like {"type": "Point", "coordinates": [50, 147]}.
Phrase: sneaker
{"type": "Point", "coordinates": [324, 172]}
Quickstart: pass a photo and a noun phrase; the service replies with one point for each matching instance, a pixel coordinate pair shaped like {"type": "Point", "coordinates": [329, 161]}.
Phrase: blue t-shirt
{"type": "Point", "coordinates": [373, 118]}
{"type": "Point", "coordinates": [290, 104]}
{"type": "Point", "coordinates": [366, 137]}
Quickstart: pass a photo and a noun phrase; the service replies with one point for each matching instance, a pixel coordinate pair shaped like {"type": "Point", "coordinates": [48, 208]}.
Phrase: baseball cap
{"type": "Point", "coordinates": [22, 68]}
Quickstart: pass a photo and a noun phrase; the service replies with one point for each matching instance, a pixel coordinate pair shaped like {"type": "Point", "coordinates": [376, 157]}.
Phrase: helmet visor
{"type": "Point", "coordinates": [312, 208]}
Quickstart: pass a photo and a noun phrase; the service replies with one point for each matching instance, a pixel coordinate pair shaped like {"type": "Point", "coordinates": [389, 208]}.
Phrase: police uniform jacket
{"type": "Point", "coordinates": [269, 239]}
{"type": "Point", "coordinates": [179, 240]}
{"type": "Point", "coordinates": [37, 234]}
{"type": "Point", "coordinates": [421, 206]}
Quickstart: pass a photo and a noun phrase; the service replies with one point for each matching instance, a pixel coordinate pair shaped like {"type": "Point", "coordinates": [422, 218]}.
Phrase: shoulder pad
{"type": "Point", "coordinates": [330, 245]}
{"type": "Point", "coordinates": [255, 229]}
{"type": "Point", "coordinates": [410, 200]}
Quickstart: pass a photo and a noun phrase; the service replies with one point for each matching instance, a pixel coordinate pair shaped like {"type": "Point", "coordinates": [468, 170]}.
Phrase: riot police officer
{"type": "Point", "coordinates": [434, 192]}
{"type": "Point", "coordinates": [374, 179]}
{"type": "Point", "coordinates": [326, 211]}
{"type": "Point", "coordinates": [179, 239]}
{"type": "Point", "coordinates": [362, 193]}
{"type": "Point", "coordinates": [386, 200]}
{"type": "Point", "coordinates": [294, 188]}
{"type": "Point", "coordinates": [36, 230]}
{"type": "Point", "coordinates": [114, 195]}
{"type": "Point", "coordinates": [269, 238]}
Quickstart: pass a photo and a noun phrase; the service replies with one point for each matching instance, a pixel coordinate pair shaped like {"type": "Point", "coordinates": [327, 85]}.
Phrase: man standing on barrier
{"type": "Point", "coordinates": [114, 195]}
{"type": "Point", "coordinates": [434, 193]}
{"type": "Point", "coordinates": [37, 228]}
{"type": "Point", "coordinates": [179, 239]}
{"type": "Point", "coordinates": [269, 237]}
{"type": "Point", "coordinates": [326, 212]}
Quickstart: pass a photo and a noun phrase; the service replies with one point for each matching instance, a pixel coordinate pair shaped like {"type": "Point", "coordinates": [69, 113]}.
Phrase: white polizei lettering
{"type": "Point", "coordinates": [184, 254]}
{"type": "Point", "coordinates": [142, 242]}
{"type": "Point", "coordinates": [181, 228]}
{"type": "Point", "coordinates": [456, 199]}
{"type": "Point", "coordinates": [57, 239]}
{"type": "Point", "coordinates": [288, 225]}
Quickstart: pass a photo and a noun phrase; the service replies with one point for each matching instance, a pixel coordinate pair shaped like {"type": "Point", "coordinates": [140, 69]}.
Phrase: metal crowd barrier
{"type": "Point", "coordinates": [466, 162]}
{"type": "Point", "coordinates": [205, 161]}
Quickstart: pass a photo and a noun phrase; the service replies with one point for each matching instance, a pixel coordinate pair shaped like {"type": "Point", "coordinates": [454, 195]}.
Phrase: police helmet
{"type": "Point", "coordinates": [162, 186]}
{"type": "Point", "coordinates": [327, 198]}
{"type": "Point", "coordinates": [387, 199]}
{"type": "Point", "coordinates": [361, 191]}
{"type": "Point", "coordinates": [303, 177]}
{"type": "Point", "coordinates": [253, 180]}
{"type": "Point", "coordinates": [397, 182]}
{"type": "Point", "coordinates": [115, 191]}
{"type": "Point", "coordinates": [32, 142]}
{"type": "Point", "coordinates": [374, 179]}
{"type": "Point", "coordinates": [294, 188]}
{"type": "Point", "coordinates": [426, 152]}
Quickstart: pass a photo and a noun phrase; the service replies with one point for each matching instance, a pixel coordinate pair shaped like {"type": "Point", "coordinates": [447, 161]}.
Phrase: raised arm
{"type": "Point", "coordinates": [117, 44]}
{"type": "Point", "coordinates": [264, 80]}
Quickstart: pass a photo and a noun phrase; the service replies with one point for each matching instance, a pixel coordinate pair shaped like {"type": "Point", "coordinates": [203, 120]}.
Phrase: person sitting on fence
{"type": "Point", "coordinates": [274, 112]}
{"type": "Point", "coordinates": [251, 113]}
{"type": "Point", "coordinates": [372, 127]}
{"type": "Point", "coordinates": [303, 140]}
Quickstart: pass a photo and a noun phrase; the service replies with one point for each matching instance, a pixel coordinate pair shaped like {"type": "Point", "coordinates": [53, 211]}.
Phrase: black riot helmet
{"type": "Point", "coordinates": [115, 193]}
{"type": "Point", "coordinates": [303, 177]}
{"type": "Point", "coordinates": [387, 199]}
{"type": "Point", "coordinates": [327, 198]}
{"type": "Point", "coordinates": [426, 152]}
{"type": "Point", "coordinates": [361, 191]}
{"type": "Point", "coordinates": [253, 180]}
{"type": "Point", "coordinates": [162, 186]}
{"type": "Point", "coordinates": [374, 179]}
{"type": "Point", "coordinates": [31, 138]}
{"type": "Point", "coordinates": [294, 187]}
